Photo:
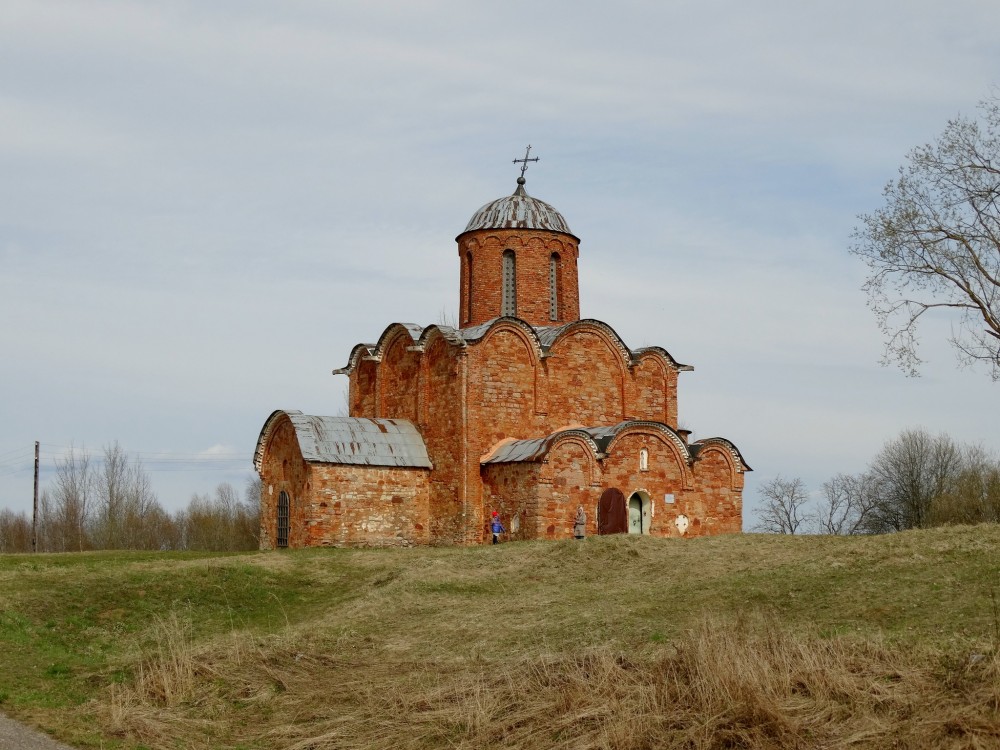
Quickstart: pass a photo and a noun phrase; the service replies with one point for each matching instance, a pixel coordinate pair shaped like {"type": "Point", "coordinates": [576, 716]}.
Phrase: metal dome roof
{"type": "Point", "coordinates": [518, 211]}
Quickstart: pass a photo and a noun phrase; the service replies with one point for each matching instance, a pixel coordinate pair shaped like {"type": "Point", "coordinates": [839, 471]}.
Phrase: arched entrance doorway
{"type": "Point", "coordinates": [639, 513]}
{"type": "Point", "coordinates": [611, 515]}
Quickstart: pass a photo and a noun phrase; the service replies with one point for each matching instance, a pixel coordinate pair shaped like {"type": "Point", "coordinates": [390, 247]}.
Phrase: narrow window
{"type": "Point", "coordinates": [509, 305]}
{"type": "Point", "coordinates": [554, 287]}
{"type": "Point", "coordinates": [468, 287]}
{"type": "Point", "coordinates": [643, 460]}
{"type": "Point", "coordinates": [282, 536]}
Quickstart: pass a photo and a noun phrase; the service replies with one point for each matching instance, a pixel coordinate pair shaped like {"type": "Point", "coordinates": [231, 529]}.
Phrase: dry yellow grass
{"type": "Point", "coordinates": [742, 684]}
{"type": "Point", "coordinates": [619, 643]}
{"type": "Point", "coordinates": [740, 642]}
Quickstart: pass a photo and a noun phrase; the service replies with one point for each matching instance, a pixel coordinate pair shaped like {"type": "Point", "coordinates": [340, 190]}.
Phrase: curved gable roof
{"type": "Point", "coordinates": [726, 445]}
{"type": "Point", "coordinates": [376, 350]}
{"type": "Point", "coordinates": [544, 337]}
{"type": "Point", "coordinates": [350, 440]}
{"type": "Point", "coordinates": [600, 439]}
{"type": "Point", "coordinates": [659, 350]}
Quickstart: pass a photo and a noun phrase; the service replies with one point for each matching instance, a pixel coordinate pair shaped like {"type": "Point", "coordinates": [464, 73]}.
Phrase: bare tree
{"type": "Point", "coordinates": [783, 509]}
{"type": "Point", "coordinates": [67, 515]}
{"type": "Point", "coordinates": [935, 244]}
{"type": "Point", "coordinates": [223, 522]}
{"type": "Point", "coordinates": [15, 532]}
{"type": "Point", "coordinates": [127, 512]}
{"type": "Point", "coordinates": [909, 473]}
{"type": "Point", "coordinates": [253, 493]}
{"type": "Point", "coordinates": [972, 494]}
{"type": "Point", "coordinates": [109, 487]}
{"type": "Point", "coordinates": [847, 502]}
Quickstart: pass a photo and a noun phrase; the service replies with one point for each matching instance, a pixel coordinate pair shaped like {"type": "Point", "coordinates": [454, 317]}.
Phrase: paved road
{"type": "Point", "coordinates": [16, 736]}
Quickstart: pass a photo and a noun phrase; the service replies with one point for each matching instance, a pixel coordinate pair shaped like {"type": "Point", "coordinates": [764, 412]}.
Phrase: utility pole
{"type": "Point", "coordinates": [34, 514]}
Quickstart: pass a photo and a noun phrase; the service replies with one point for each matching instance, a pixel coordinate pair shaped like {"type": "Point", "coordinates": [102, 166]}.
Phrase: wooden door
{"type": "Point", "coordinates": [611, 517]}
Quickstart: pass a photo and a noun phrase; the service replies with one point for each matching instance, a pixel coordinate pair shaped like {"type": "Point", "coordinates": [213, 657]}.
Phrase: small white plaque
{"type": "Point", "coordinates": [668, 498]}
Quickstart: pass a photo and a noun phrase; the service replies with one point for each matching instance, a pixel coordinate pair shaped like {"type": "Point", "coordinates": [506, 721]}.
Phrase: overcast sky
{"type": "Point", "coordinates": [204, 206]}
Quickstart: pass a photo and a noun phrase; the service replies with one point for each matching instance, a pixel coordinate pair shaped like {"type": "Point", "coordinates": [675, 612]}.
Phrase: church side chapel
{"type": "Point", "coordinates": [524, 409]}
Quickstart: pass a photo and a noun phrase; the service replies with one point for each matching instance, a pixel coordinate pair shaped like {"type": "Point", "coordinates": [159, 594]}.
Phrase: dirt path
{"type": "Point", "coordinates": [16, 736]}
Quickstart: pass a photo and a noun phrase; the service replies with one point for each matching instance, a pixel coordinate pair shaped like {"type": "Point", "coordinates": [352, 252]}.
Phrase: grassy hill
{"type": "Point", "coordinates": [617, 642]}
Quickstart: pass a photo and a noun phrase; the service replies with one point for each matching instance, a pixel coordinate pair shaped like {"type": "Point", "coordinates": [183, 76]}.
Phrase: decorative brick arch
{"type": "Point", "coordinates": [663, 354]}
{"type": "Point", "coordinates": [398, 384]}
{"type": "Point", "coordinates": [520, 329]}
{"type": "Point", "coordinates": [446, 333]}
{"type": "Point", "coordinates": [603, 330]}
{"type": "Point", "coordinates": [283, 471]}
{"type": "Point", "coordinates": [652, 391]}
{"type": "Point", "coordinates": [392, 332]}
{"type": "Point", "coordinates": [584, 440]}
{"type": "Point", "coordinates": [359, 352]}
{"type": "Point", "coordinates": [665, 435]}
{"type": "Point", "coordinates": [609, 384]}
{"type": "Point", "coordinates": [569, 473]}
{"type": "Point", "coordinates": [730, 453]}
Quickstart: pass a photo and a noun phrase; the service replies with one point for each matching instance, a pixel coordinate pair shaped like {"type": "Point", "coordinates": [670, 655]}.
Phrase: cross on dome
{"type": "Point", "coordinates": [524, 165]}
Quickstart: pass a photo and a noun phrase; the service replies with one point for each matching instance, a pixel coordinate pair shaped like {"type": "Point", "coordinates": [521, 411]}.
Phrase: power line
{"type": "Point", "coordinates": [15, 450]}
{"type": "Point", "coordinates": [20, 460]}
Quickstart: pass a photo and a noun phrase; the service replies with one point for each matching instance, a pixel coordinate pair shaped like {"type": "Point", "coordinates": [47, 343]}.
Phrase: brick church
{"type": "Point", "coordinates": [525, 409]}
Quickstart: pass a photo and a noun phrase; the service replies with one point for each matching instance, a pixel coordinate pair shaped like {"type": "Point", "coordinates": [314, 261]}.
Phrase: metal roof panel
{"type": "Point", "coordinates": [356, 440]}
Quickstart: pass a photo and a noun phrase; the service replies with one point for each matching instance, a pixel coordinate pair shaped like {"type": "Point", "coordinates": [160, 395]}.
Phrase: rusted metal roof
{"type": "Point", "coordinates": [535, 449]}
{"type": "Point", "coordinates": [600, 438]}
{"type": "Point", "coordinates": [547, 335]}
{"type": "Point", "coordinates": [474, 333]}
{"type": "Point", "coordinates": [449, 334]}
{"type": "Point", "coordinates": [516, 451]}
{"type": "Point", "coordinates": [518, 211]}
{"type": "Point", "coordinates": [352, 440]}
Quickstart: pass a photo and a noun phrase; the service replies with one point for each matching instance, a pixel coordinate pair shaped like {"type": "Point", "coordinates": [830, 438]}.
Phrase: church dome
{"type": "Point", "coordinates": [518, 211]}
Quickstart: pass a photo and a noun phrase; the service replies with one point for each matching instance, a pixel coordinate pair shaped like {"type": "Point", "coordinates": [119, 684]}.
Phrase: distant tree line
{"type": "Point", "coordinates": [916, 481]}
{"type": "Point", "coordinates": [110, 504]}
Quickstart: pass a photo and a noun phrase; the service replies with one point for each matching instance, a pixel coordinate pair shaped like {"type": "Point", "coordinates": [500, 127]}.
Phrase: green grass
{"type": "Point", "coordinates": [166, 649]}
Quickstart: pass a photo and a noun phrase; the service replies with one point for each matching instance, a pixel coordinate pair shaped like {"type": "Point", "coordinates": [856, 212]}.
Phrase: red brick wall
{"type": "Point", "coordinates": [586, 374]}
{"type": "Point", "coordinates": [653, 392]}
{"type": "Point", "coordinates": [719, 492]}
{"type": "Point", "coordinates": [398, 385]}
{"type": "Point", "coordinates": [501, 389]}
{"type": "Point", "coordinates": [283, 469]}
{"type": "Point", "coordinates": [363, 389]}
{"type": "Point", "coordinates": [512, 490]}
{"type": "Point", "coordinates": [510, 393]}
{"type": "Point", "coordinates": [666, 473]}
{"type": "Point", "coordinates": [572, 479]}
{"type": "Point", "coordinates": [366, 506]}
{"type": "Point", "coordinates": [467, 400]}
{"type": "Point", "coordinates": [441, 424]}
{"type": "Point", "coordinates": [341, 505]}
{"type": "Point", "coordinates": [533, 250]}
{"type": "Point", "coordinates": [544, 495]}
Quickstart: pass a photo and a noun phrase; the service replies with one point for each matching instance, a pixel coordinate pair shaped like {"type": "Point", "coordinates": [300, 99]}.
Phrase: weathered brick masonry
{"type": "Point", "coordinates": [525, 409]}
